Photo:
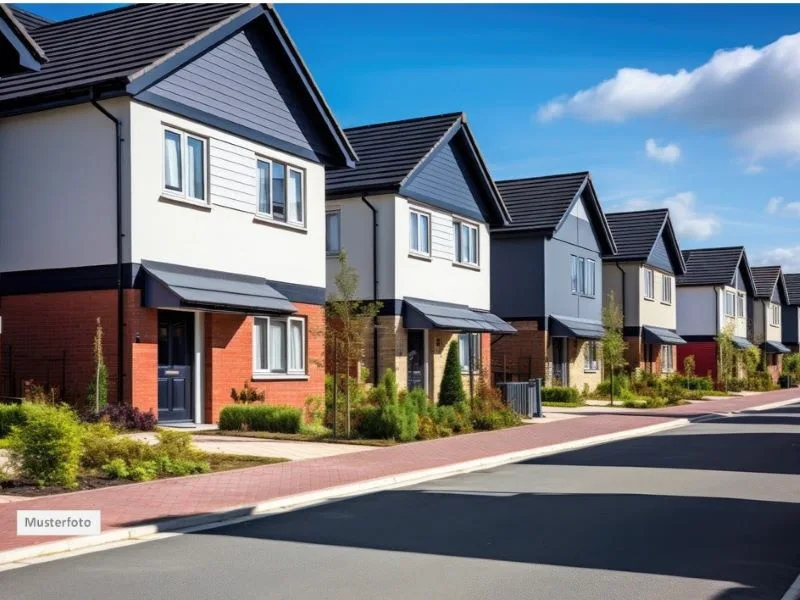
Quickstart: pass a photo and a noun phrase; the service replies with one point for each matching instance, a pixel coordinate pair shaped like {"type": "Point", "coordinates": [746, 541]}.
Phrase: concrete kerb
{"type": "Point", "coordinates": [296, 501]}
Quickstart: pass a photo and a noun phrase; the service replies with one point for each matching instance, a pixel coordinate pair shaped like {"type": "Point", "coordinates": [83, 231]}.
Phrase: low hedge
{"type": "Point", "coordinates": [10, 415]}
{"type": "Point", "coordinates": [694, 382]}
{"type": "Point", "coordinates": [261, 417]}
{"type": "Point", "coordinates": [560, 395]}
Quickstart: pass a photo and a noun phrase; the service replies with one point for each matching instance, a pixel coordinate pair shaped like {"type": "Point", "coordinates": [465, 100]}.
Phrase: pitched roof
{"type": "Point", "coordinates": [765, 279]}
{"type": "Point", "coordinates": [542, 203]}
{"type": "Point", "coordinates": [29, 20]}
{"type": "Point", "coordinates": [636, 233]}
{"type": "Point", "coordinates": [793, 287]}
{"type": "Point", "coordinates": [714, 266]}
{"type": "Point", "coordinates": [20, 31]}
{"type": "Point", "coordinates": [390, 153]}
{"type": "Point", "coordinates": [127, 49]}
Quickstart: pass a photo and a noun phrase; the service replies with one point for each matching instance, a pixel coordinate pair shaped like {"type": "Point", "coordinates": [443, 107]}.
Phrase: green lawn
{"type": "Point", "coordinates": [563, 404]}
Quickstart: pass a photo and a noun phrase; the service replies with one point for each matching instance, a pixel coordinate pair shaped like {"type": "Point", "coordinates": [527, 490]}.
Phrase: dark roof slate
{"type": "Point", "coordinates": [765, 279]}
{"type": "Point", "coordinates": [710, 266]}
{"type": "Point", "coordinates": [28, 19]}
{"type": "Point", "coordinates": [388, 152]}
{"type": "Point", "coordinates": [793, 287]}
{"type": "Point", "coordinates": [636, 233]}
{"type": "Point", "coordinates": [541, 202]}
{"type": "Point", "coordinates": [112, 45]}
{"type": "Point", "coordinates": [21, 32]}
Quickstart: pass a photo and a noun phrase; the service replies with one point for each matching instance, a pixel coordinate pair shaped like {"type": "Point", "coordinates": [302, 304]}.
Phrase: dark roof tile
{"type": "Point", "coordinates": [28, 19]}
{"type": "Point", "coordinates": [765, 279]}
{"type": "Point", "coordinates": [541, 202]}
{"type": "Point", "coordinates": [710, 266]}
{"type": "Point", "coordinates": [636, 232]}
{"type": "Point", "coordinates": [793, 287]}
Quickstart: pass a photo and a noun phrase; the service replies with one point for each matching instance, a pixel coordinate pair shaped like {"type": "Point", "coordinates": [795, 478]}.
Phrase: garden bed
{"type": "Point", "coordinates": [297, 437]}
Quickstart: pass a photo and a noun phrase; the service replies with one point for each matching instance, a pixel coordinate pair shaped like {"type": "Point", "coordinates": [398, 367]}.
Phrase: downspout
{"type": "Point", "coordinates": [120, 294]}
{"type": "Point", "coordinates": [374, 286]}
{"type": "Point", "coordinates": [621, 270]}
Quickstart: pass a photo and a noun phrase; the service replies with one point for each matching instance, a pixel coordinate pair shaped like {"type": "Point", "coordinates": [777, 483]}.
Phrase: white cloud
{"type": "Point", "coordinates": [689, 224]}
{"type": "Point", "coordinates": [668, 154]}
{"type": "Point", "coordinates": [751, 93]}
{"type": "Point", "coordinates": [754, 169]}
{"type": "Point", "coordinates": [792, 208]}
{"type": "Point", "coordinates": [774, 205]}
{"type": "Point", "coordinates": [788, 258]}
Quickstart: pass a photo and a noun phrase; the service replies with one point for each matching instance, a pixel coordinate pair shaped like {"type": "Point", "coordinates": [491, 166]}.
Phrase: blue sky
{"type": "Point", "coordinates": [725, 135]}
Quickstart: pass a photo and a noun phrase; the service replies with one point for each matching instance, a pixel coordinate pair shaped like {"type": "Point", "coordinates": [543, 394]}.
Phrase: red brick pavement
{"type": "Point", "coordinates": [136, 504]}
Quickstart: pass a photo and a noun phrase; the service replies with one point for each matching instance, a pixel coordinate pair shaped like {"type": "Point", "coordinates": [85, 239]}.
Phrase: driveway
{"type": "Point", "coordinates": [708, 511]}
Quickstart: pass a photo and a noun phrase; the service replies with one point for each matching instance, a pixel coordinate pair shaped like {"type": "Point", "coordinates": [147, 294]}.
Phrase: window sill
{"type": "Point", "coordinates": [418, 256]}
{"type": "Point", "coordinates": [184, 201]}
{"type": "Point", "coordinates": [279, 377]}
{"type": "Point", "coordinates": [332, 254]}
{"type": "Point", "coordinates": [591, 371]}
{"type": "Point", "coordinates": [666, 303]}
{"type": "Point", "coordinates": [266, 220]}
{"type": "Point", "coordinates": [467, 266]}
{"type": "Point", "coordinates": [649, 299]}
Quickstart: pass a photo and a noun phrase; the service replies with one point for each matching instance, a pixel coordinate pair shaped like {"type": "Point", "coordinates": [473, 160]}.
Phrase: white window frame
{"type": "Point", "coordinates": [775, 316]}
{"type": "Point", "coordinates": [458, 253]}
{"type": "Point", "coordinates": [181, 193]}
{"type": "Point", "coordinates": [649, 284]}
{"type": "Point", "coordinates": [667, 365]}
{"type": "Point", "coordinates": [338, 214]}
{"type": "Point", "coordinates": [476, 350]}
{"type": "Point", "coordinates": [287, 168]}
{"type": "Point", "coordinates": [427, 215]}
{"type": "Point", "coordinates": [578, 275]}
{"type": "Point", "coordinates": [589, 277]}
{"type": "Point", "coordinates": [591, 362]}
{"type": "Point", "coordinates": [740, 310]}
{"type": "Point", "coordinates": [732, 296]}
{"type": "Point", "coordinates": [259, 373]}
{"type": "Point", "coordinates": [666, 289]}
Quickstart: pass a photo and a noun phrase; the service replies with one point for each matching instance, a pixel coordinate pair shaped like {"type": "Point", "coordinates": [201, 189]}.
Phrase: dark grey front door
{"type": "Point", "coordinates": [416, 358]}
{"type": "Point", "coordinates": [559, 354]}
{"type": "Point", "coordinates": [175, 351]}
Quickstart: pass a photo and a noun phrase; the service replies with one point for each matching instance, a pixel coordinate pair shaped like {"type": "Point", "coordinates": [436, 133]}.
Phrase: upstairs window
{"type": "Point", "coordinates": [730, 309]}
{"type": "Point", "coordinates": [649, 284]}
{"type": "Point", "coordinates": [466, 243]}
{"type": "Point", "coordinates": [775, 314]}
{"type": "Point", "coordinates": [419, 232]}
{"type": "Point", "coordinates": [281, 193]}
{"type": "Point", "coordinates": [582, 277]}
{"type": "Point", "coordinates": [666, 290]}
{"type": "Point", "coordinates": [589, 277]}
{"type": "Point", "coordinates": [740, 306]}
{"type": "Point", "coordinates": [333, 232]}
{"type": "Point", "coordinates": [185, 165]}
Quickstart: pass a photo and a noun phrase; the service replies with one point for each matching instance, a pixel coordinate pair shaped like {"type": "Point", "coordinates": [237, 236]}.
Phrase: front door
{"type": "Point", "coordinates": [416, 358]}
{"type": "Point", "coordinates": [559, 353]}
{"type": "Point", "coordinates": [175, 352]}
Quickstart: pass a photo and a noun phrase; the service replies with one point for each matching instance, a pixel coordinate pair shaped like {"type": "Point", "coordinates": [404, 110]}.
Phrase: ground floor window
{"type": "Point", "coordinates": [590, 357]}
{"type": "Point", "coordinates": [279, 345]}
{"type": "Point", "coordinates": [463, 351]}
{"type": "Point", "coordinates": [667, 364]}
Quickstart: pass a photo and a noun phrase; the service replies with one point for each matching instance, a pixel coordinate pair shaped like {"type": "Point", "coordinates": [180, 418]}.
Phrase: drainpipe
{"type": "Point", "coordinates": [621, 270]}
{"type": "Point", "coordinates": [120, 295]}
{"type": "Point", "coordinates": [374, 286]}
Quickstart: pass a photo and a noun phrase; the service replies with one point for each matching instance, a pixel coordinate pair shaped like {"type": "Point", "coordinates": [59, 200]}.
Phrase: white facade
{"type": "Point", "coordinates": [658, 309]}
{"type": "Point", "coordinates": [705, 310]}
{"type": "Point", "coordinates": [435, 275]}
{"type": "Point", "coordinates": [764, 326]}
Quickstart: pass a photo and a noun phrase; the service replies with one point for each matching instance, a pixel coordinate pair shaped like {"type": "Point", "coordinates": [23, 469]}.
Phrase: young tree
{"type": "Point", "coordinates": [726, 355]}
{"type": "Point", "coordinates": [98, 386]}
{"type": "Point", "coordinates": [613, 344]}
{"type": "Point", "coordinates": [451, 390]}
{"type": "Point", "coordinates": [347, 319]}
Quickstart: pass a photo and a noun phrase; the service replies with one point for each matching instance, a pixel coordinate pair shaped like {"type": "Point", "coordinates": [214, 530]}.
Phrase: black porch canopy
{"type": "Point", "coordinates": [659, 335]}
{"type": "Point", "coordinates": [574, 327]}
{"type": "Point", "coordinates": [429, 314]}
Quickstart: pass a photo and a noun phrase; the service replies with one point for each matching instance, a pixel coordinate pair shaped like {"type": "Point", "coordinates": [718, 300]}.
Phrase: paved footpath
{"type": "Point", "coordinates": [143, 503]}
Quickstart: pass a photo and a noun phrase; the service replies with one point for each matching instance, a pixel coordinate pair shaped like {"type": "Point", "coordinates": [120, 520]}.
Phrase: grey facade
{"type": "Point", "coordinates": [790, 312]}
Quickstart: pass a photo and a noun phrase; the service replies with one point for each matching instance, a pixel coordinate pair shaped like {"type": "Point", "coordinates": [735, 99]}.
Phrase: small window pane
{"type": "Point", "coordinates": [473, 247]}
{"type": "Point", "coordinates": [264, 179]}
{"type": "Point", "coordinates": [296, 346]}
{"type": "Point", "coordinates": [260, 334]}
{"type": "Point", "coordinates": [465, 249]}
{"type": "Point", "coordinates": [277, 346]}
{"type": "Point", "coordinates": [457, 241]}
{"type": "Point", "coordinates": [295, 199]}
{"type": "Point", "coordinates": [332, 243]}
{"type": "Point", "coordinates": [173, 170]}
{"type": "Point", "coordinates": [195, 176]}
{"type": "Point", "coordinates": [423, 234]}
{"type": "Point", "coordinates": [413, 231]}
{"type": "Point", "coordinates": [463, 351]}
{"type": "Point", "coordinates": [278, 192]}
{"type": "Point", "coordinates": [574, 274]}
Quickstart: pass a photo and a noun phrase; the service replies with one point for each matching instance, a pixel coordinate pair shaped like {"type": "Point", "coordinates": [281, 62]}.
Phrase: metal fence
{"type": "Point", "coordinates": [523, 397]}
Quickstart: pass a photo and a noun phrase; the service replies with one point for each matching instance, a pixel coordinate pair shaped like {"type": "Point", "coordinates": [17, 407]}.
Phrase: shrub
{"type": "Point", "coordinates": [125, 416]}
{"type": "Point", "coordinates": [559, 394]}
{"type": "Point", "coordinates": [33, 393]}
{"type": "Point", "coordinates": [496, 419]}
{"type": "Point", "coordinates": [791, 364]}
{"type": "Point", "coordinates": [10, 415]}
{"type": "Point", "coordinates": [455, 418]}
{"type": "Point", "coordinates": [261, 417]}
{"type": "Point", "coordinates": [97, 394]}
{"type": "Point", "coordinates": [247, 395]}
{"type": "Point", "coordinates": [116, 469]}
{"type": "Point", "coordinates": [47, 447]}
{"type": "Point", "coordinates": [427, 429]}
{"type": "Point", "coordinates": [760, 382]}
{"type": "Point", "coordinates": [693, 382]}
{"type": "Point", "coordinates": [101, 444]}
{"type": "Point", "coordinates": [451, 390]}
{"type": "Point", "coordinates": [622, 386]}
{"type": "Point", "coordinates": [419, 399]}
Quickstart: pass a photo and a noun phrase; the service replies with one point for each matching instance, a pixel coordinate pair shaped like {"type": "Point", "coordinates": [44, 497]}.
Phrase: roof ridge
{"type": "Point", "coordinates": [33, 15]}
{"type": "Point", "coordinates": [584, 173]}
{"type": "Point", "coordinates": [713, 248]}
{"type": "Point", "coordinates": [637, 212]}
{"type": "Point", "coordinates": [409, 120]}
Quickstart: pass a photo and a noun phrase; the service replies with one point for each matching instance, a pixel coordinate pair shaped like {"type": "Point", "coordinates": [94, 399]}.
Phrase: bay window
{"type": "Point", "coordinates": [279, 346]}
{"type": "Point", "coordinates": [466, 243]}
{"type": "Point", "coordinates": [185, 165]}
{"type": "Point", "coordinates": [281, 193]}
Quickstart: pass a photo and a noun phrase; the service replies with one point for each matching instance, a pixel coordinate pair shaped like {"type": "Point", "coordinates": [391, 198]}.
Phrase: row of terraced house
{"type": "Point", "coordinates": [175, 171]}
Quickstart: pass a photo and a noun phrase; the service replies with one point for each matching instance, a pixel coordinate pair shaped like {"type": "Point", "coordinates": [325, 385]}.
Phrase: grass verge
{"type": "Point", "coordinates": [297, 437]}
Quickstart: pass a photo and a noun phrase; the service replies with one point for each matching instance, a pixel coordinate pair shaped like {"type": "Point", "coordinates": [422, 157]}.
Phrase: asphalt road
{"type": "Point", "coordinates": [711, 510]}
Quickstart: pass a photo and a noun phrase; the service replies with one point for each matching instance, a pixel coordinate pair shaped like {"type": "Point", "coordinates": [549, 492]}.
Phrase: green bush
{"type": "Point", "coordinates": [557, 394]}
{"type": "Point", "coordinates": [47, 447]}
{"type": "Point", "coordinates": [791, 364]}
{"type": "Point", "coordinates": [693, 382]}
{"type": "Point", "coordinates": [259, 417]}
{"type": "Point", "coordinates": [10, 415]}
{"type": "Point", "coordinates": [451, 390]}
{"type": "Point", "coordinates": [621, 387]}
{"type": "Point", "coordinates": [495, 419]}
{"type": "Point", "coordinates": [456, 418]}
{"type": "Point", "coordinates": [760, 382]}
{"type": "Point", "coordinates": [419, 398]}
{"type": "Point", "coordinates": [247, 395]}
{"type": "Point", "coordinates": [101, 445]}
{"type": "Point", "coordinates": [116, 468]}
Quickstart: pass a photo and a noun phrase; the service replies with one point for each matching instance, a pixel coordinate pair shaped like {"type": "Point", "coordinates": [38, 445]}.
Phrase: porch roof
{"type": "Point", "coordinates": [659, 335]}
{"type": "Point", "coordinates": [575, 327]}
{"type": "Point", "coordinates": [177, 286]}
{"type": "Point", "coordinates": [429, 314]}
{"type": "Point", "coordinates": [776, 347]}
{"type": "Point", "coordinates": [742, 343]}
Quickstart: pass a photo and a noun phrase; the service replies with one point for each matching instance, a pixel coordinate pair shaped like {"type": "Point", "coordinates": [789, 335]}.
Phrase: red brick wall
{"type": "Point", "coordinates": [229, 361]}
{"type": "Point", "coordinates": [705, 356]}
{"type": "Point", "coordinates": [522, 355]}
